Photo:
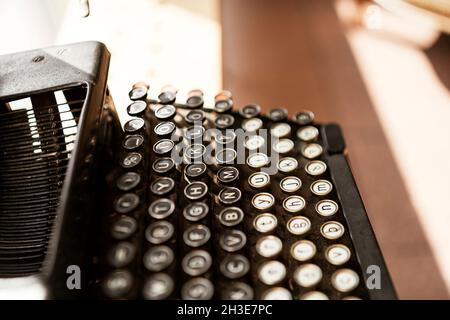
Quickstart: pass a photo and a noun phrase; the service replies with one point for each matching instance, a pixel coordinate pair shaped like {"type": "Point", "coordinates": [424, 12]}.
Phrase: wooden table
{"type": "Point", "coordinates": [294, 53]}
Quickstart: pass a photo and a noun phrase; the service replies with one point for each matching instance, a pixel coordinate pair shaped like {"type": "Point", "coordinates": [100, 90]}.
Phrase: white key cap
{"type": "Point", "coordinates": [271, 272]}
{"type": "Point", "coordinates": [312, 150]}
{"type": "Point", "coordinates": [269, 246]}
{"type": "Point", "coordinates": [290, 184]}
{"type": "Point", "coordinates": [303, 250]}
{"type": "Point", "coordinates": [321, 187]}
{"type": "Point", "coordinates": [326, 208]}
{"type": "Point", "coordinates": [294, 203]}
{"type": "Point", "coordinates": [307, 275]}
{"type": "Point", "coordinates": [345, 280]}
{"type": "Point", "coordinates": [298, 225]}
{"type": "Point", "coordinates": [263, 201]}
{"type": "Point", "coordinates": [308, 133]}
{"type": "Point", "coordinates": [337, 254]}
{"type": "Point", "coordinates": [332, 230]}
{"type": "Point", "coordinates": [316, 167]}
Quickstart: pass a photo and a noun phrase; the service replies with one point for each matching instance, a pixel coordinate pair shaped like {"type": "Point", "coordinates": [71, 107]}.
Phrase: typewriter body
{"type": "Point", "coordinates": [189, 199]}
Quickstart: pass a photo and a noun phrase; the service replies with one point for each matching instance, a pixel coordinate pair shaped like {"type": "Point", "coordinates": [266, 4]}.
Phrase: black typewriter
{"type": "Point", "coordinates": [191, 199]}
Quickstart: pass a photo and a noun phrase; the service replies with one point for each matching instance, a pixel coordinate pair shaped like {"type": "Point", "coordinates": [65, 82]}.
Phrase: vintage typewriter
{"type": "Point", "coordinates": [191, 199]}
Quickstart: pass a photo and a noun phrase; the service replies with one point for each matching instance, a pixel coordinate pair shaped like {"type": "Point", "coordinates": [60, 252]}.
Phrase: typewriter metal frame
{"type": "Point", "coordinates": [87, 63]}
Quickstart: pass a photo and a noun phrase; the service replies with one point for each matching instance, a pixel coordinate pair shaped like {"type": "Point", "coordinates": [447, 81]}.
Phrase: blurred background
{"type": "Point", "coordinates": [380, 68]}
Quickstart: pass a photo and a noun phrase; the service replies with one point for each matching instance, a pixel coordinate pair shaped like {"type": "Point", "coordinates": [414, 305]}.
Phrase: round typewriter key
{"type": "Point", "coordinates": [237, 291]}
{"type": "Point", "coordinates": [224, 94]}
{"type": "Point", "coordinates": [304, 117]}
{"type": "Point", "coordinates": [164, 128]}
{"type": "Point", "coordinates": [194, 133]}
{"type": "Point", "coordinates": [229, 195]}
{"type": "Point", "coordinates": [134, 125]}
{"type": "Point", "coordinates": [226, 137]}
{"type": "Point", "coordinates": [351, 298]}
{"type": "Point", "coordinates": [195, 170]}
{"type": "Point", "coordinates": [254, 142]}
{"type": "Point", "coordinates": [314, 295]}
{"type": "Point", "coordinates": [345, 280]}
{"type": "Point", "coordinates": [287, 164]}
{"type": "Point", "coordinates": [278, 114]}
{"type": "Point", "coordinates": [164, 112]}
{"type": "Point", "coordinates": [121, 254]}
{"type": "Point", "coordinates": [312, 150]}
{"type": "Point", "coordinates": [161, 208]}
{"type": "Point", "coordinates": [224, 121]}
{"type": "Point", "coordinates": [131, 160]}
{"type": "Point", "coordinates": [196, 190]}
{"type": "Point", "coordinates": [232, 240]}
{"type": "Point", "coordinates": [158, 258]}
{"type": "Point", "coordinates": [332, 230]}
{"type": "Point", "coordinates": [163, 146]}
{"type": "Point", "coordinates": [137, 108]}
{"type": "Point", "coordinates": [307, 275]}
{"type": "Point", "coordinates": [337, 254]}
{"type": "Point", "coordinates": [283, 146]}
{"type": "Point", "coordinates": [195, 211]}
{"type": "Point", "coordinates": [126, 203]}
{"type": "Point", "coordinates": [259, 179]}
{"type": "Point", "coordinates": [167, 97]}
{"type": "Point", "coordinates": [265, 222]}
{"type": "Point", "coordinates": [194, 102]}
{"type": "Point", "coordinates": [163, 165]}
{"type": "Point", "coordinates": [290, 184]}
{"type": "Point", "coordinates": [263, 201]}
{"type": "Point", "coordinates": [280, 130]}
{"type": "Point", "coordinates": [196, 235]}
{"type": "Point", "coordinates": [294, 203]}
{"type": "Point", "coordinates": [159, 232]}
{"type": "Point", "coordinates": [223, 105]}
{"type": "Point", "coordinates": [257, 160]}
{"type": "Point", "coordinates": [326, 208]}
{"type": "Point", "coordinates": [196, 262]}
{"type": "Point", "coordinates": [303, 250]}
{"type": "Point", "coordinates": [298, 225]}
{"type": "Point", "coordinates": [128, 181]}
{"type": "Point", "coordinates": [194, 116]}
{"type": "Point", "coordinates": [123, 228]}
{"type": "Point", "coordinates": [252, 125]}
{"type": "Point", "coordinates": [138, 93]}
{"type": "Point", "coordinates": [162, 186]}
{"type": "Point", "coordinates": [197, 289]}
{"type": "Point", "coordinates": [133, 141]}
{"type": "Point", "coordinates": [234, 266]}
{"type": "Point", "coordinates": [277, 293]}
{"type": "Point", "coordinates": [226, 156]}
{"type": "Point", "coordinates": [315, 168]}
{"type": "Point", "coordinates": [158, 286]}
{"type": "Point", "coordinates": [308, 133]}
{"type": "Point", "coordinates": [269, 246]}
{"type": "Point", "coordinates": [194, 152]}
{"type": "Point", "coordinates": [231, 216]}
{"type": "Point", "coordinates": [250, 111]}
{"type": "Point", "coordinates": [271, 272]}
{"type": "Point", "coordinates": [321, 187]}
{"type": "Point", "coordinates": [117, 284]}
{"type": "Point", "coordinates": [228, 174]}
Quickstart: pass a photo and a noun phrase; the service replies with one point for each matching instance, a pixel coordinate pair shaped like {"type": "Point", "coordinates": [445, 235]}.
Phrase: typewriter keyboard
{"type": "Point", "coordinates": [223, 203]}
